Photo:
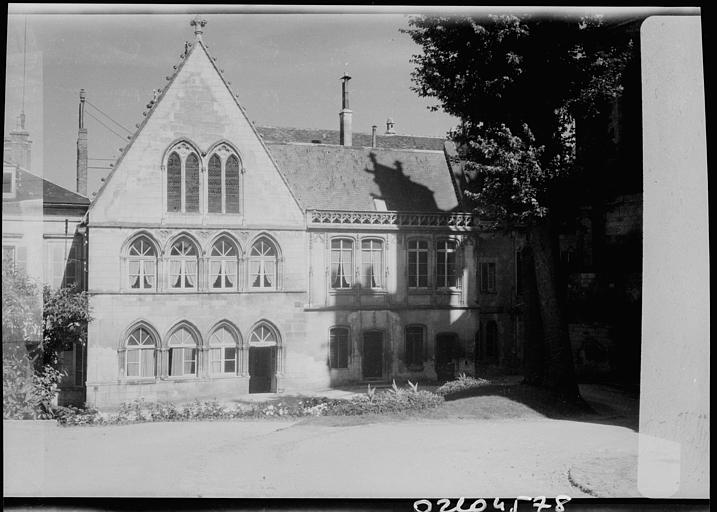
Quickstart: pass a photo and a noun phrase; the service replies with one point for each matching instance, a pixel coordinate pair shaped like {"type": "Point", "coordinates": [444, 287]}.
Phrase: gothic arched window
{"type": "Point", "coordinates": [182, 353]}
{"type": "Point", "coordinates": [223, 264]}
{"type": "Point", "coordinates": [224, 353]}
{"type": "Point", "coordinates": [140, 355]}
{"type": "Point", "coordinates": [142, 264]}
{"type": "Point", "coordinates": [223, 181]}
{"type": "Point", "coordinates": [183, 264]}
{"type": "Point", "coordinates": [263, 264]}
{"type": "Point", "coordinates": [183, 179]}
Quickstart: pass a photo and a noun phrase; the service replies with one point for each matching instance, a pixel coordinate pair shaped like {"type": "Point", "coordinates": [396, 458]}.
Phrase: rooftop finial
{"type": "Point", "coordinates": [198, 23]}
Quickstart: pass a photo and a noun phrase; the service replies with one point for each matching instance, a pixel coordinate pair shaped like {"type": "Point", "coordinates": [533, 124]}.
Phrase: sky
{"type": "Point", "coordinates": [284, 67]}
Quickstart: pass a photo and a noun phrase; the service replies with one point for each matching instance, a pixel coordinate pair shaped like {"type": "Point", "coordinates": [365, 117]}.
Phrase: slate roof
{"type": "Point", "coordinates": [28, 186]}
{"type": "Point", "coordinates": [274, 134]}
{"type": "Point", "coordinates": [349, 178]}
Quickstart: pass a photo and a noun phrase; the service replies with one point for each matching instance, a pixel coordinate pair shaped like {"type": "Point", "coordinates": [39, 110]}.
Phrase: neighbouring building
{"type": "Point", "coordinates": [227, 259]}
{"type": "Point", "coordinates": [42, 235]}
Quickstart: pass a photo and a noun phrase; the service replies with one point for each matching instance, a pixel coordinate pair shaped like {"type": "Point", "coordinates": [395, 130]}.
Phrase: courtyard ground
{"type": "Point", "coordinates": [499, 443]}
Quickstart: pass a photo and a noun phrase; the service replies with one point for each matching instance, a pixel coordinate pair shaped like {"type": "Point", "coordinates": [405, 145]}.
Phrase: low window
{"type": "Point", "coordinates": [487, 277]}
{"type": "Point", "coordinates": [339, 348]}
{"type": "Point", "coordinates": [415, 336]}
{"type": "Point", "coordinates": [140, 358]}
{"type": "Point", "coordinates": [223, 352]}
{"type": "Point", "coordinates": [182, 353]}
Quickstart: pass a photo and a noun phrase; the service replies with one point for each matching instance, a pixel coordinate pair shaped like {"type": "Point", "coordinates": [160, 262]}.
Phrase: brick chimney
{"type": "Point", "coordinates": [82, 149]}
{"type": "Point", "coordinates": [373, 136]}
{"type": "Point", "coordinates": [18, 145]}
{"type": "Point", "coordinates": [345, 114]}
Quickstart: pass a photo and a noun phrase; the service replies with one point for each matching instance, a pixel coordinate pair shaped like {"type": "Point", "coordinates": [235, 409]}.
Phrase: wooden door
{"type": "Point", "coordinates": [262, 364]}
{"type": "Point", "coordinates": [373, 355]}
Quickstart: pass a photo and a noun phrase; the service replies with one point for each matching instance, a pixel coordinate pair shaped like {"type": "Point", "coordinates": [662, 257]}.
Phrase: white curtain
{"type": "Point", "coordinates": [147, 362]}
{"type": "Point", "coordinates": [191, 271]}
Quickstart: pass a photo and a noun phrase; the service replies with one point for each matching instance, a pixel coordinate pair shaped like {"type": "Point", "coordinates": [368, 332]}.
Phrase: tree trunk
{"type": "Point", "coordinates": [559, 374]}
{"type": "Point", "coordinates": [533, 352]}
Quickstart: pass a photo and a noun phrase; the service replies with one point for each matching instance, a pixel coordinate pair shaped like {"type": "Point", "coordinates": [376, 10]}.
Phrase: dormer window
{"type": "Point", "coordinates": [8, 183]}
{"type": "Point", "coordinates": [183, 179]}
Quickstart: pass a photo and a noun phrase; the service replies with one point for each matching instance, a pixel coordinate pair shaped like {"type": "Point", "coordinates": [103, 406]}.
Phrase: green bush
{"type": "Point", "coordinates": [462, 383]}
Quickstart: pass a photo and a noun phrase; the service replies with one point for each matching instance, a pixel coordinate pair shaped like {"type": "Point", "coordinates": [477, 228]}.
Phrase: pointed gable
{"type": "Point", "coordinates": [197, 108]}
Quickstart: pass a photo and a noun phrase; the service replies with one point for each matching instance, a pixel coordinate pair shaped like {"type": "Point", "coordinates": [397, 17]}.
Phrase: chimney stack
{"type": "Point", "coordinates": [389, 127]}
{"type": "Point", "coordinates": [373, 136]}
{"type": "Point", "coordinates": [345, 114]}
{"type": "Point", "coordinates": [19, 144]}
{"type": "Point", "coordinates": [82, 149]}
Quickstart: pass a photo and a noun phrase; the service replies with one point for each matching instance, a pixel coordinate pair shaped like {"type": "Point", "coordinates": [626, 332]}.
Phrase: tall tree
{"type": "Point", "coordinates": [521, 85]}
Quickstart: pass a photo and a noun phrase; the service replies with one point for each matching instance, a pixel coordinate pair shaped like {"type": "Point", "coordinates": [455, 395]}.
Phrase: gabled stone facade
{"type": "Point", "coordinates": [222, 264]}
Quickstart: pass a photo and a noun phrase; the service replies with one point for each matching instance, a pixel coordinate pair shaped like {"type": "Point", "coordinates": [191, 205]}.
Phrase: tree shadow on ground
{"type": "Point", "coordinates": [603, 405]}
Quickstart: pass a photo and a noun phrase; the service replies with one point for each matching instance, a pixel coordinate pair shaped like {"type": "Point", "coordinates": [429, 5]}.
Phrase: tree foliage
{"type": "Point", "coordinates": [65, 316]}
{"type": "Point", "coordinates": [35, 325]}
{"type": "Point", "coordinates": [521, 86]}
{"type": "Point", "coordinates": [21, 306]}
{"type": "Point", "coordinates": [518, 84]}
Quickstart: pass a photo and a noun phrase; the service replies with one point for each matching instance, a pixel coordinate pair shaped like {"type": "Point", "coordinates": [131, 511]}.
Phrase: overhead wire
{"type": "Point", "coordinates": [107, 116]}
{"type": "Point", "coordinates": [123, 137]}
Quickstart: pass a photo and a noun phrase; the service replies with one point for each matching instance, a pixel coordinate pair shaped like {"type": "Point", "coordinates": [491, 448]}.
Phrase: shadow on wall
{"type": "Point", "coordinates": [401, 313]}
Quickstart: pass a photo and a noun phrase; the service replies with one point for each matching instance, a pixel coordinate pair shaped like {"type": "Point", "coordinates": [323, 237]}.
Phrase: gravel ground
{"type": "Point", "coordinates": [433, 456]}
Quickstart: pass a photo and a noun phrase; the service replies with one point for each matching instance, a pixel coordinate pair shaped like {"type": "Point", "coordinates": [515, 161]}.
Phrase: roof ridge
{"type": "Point", "coordinates": [392, 135]}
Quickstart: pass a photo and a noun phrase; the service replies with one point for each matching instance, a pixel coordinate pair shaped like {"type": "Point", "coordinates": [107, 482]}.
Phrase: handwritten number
{"type": "Point", "coordinates": [444, 504]}
{"type": "Point", "coordinates": [482, 503]}
{"type": "Point", "coordinates": [539, 503]}
{"type": "Point", "coordinates": [498, 504]}
{"type": "Point", "coordinates": [424, 503]}
{"type": "Point", "coordinates": [560, 500]}
{"type": "Point", "coordinates": [514, 508]}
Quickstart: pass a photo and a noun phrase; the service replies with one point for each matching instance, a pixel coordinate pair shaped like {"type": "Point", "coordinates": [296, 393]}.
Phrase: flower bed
{"type": "Point", "coordinates": [394, 400]}
{"type": "Point", "coordinates": [462, 383]}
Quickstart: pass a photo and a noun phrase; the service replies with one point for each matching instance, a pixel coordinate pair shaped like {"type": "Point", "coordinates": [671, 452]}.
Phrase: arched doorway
{"type": "Point", "coordinates": [263, 342]}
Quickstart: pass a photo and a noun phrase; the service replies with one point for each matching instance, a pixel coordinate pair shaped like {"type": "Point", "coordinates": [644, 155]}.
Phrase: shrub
{"type": "Point", "coordinates": [28, 394]}
{"type": "Point", "coordinates": [462, 383]}
{"type": "Point", "coordinates": [392, 401]}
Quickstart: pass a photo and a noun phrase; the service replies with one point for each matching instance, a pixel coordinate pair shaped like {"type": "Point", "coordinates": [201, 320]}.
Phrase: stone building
{"type": "Point", "coordinates": [227, 259]}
